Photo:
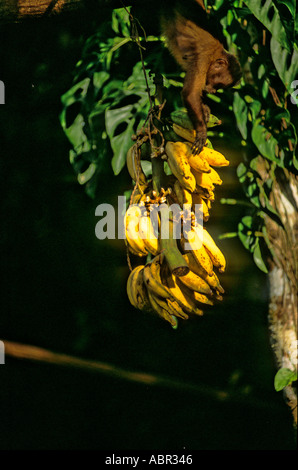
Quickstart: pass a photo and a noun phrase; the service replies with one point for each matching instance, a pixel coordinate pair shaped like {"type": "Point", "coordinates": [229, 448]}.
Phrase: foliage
{"type": "Point", "coordinates": [263, 32]}
{"type": "Point", "coordinates": [283, 378]}
{"type": "Point", "coordinates": [109, 101]}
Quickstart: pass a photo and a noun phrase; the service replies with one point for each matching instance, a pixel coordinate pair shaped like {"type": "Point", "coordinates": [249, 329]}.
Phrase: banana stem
{"type": "Point", "coordinates": [169, 248]}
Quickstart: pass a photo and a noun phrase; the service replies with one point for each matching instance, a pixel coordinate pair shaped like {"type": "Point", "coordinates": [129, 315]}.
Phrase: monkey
{"type": "Point", "coordinates": [208, 66]}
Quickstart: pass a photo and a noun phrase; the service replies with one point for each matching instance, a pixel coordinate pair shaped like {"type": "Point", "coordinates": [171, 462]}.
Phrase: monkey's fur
{"type": "Point", "coordinates": [192, 40]}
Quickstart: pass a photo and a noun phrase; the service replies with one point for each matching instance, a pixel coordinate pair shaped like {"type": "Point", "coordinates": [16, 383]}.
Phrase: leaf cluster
{"type": "Point", "coordinates": [110, 100]}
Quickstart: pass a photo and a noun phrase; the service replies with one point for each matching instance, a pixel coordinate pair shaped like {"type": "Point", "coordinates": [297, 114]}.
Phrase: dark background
{"type": "Point", "coordinates": [64, 290]}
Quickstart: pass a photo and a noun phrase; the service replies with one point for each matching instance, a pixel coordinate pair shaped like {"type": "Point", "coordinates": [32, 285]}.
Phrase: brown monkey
{"type": "Point", "coordinates": [207, 65]}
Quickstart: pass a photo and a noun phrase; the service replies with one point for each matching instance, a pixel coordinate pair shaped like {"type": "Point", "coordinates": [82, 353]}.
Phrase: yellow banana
{"type": "Point", "coordinates": [187, 134]}
{"type": "Point", "coordinates": [214, 252]}
{"type": "Point", "coordinates": [194, 266]}
{"type": "Point", "coordinates": [139, 194]}
{"type": "Point", "coordinates": [208, 202]}
{"type": "Point", "coordinates": [214, 177]}
{"type": "Point", "coordinates": [203, 180]}
{"type": "Point", "coordinates": [136, 289]}
{"type": "Point", "coordinates": [184, 196]}
{"type": "Point", "coordinates": [196, 162]}
{"type": "Point", "coordinates": [213, 157]}
{"type": "Point", "coordinates": [133, 164]}
{"type": "Point", "coordinates": [131, 292]}
{"type": "Point", "coordinates": [197, 297]}
{"type": "Point", "coordinates": [195, 283]}
{"type": "Point", "coordinates": [186, 301]}
{"type": "Point", "coordinates": [218, 289]}
{"type": "Point", "coordinates": [134, 241]}
{"type": "Point", "coordinates": [161, 308]}
{"type": "Point", "coordinates": [153, 279]}
{"type": "Point", "coordinates": [195, 245]}
{"type": "Point", "coordinates": [179, 166]}
{"type": "Point", "coordinates": [169, 304]}
{"type": "Point", "coordinates": [197, 199]}
{"type": "Point", "coordinates": [176, 309]}
{"type": "Point", "coordinates": [146, 232]}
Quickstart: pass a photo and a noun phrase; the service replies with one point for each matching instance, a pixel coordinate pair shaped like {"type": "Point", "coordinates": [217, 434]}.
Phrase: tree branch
{"type": "Point", "coordinates": [12, 11]}
{"type": "Point", "coordinates": [37, 354]}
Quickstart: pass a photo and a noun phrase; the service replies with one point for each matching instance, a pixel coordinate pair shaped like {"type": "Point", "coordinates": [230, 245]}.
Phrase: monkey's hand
{"type": "Point", "coordinates": [201, 136]}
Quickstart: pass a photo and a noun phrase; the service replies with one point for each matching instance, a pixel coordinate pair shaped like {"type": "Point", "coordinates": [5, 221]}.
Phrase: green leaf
{"type": "Point", "coordinates": [286, 63]}
{"type": "Point", "coordinates": [241, 172]}
{"type": "Point", "coordinates": [99, 78]}
{"type": "Point", "coordinates": [244, 231]}
{"type": "Point", "coordinates": [254, 108]}
{"type": "Point", "coordinates": [283, 378]}
{"type": "Point", "coordinates": [76, 92]}
{"type": "Point", "coordinates": [258, 259]}
{"type": "Point", "coordinates": [146, 167]}
{"type": "Point", "coordinates": [265, 142]}
{"type": "Point", "coordinates": [120, 143]}
{"type": "Point", "coordinates": [87, 175]}
{"type": "Point", "coordinates": [223, 236]}
{"type": "Point", "coordinates": [268, 15]}
{"type": "Point", "coordinates": [290, 4]}
{"type": "Point", "coordinates": [240, 110]}
{"type": "Point", "coordinates": [77, 136]}
{"type": "Point", "coordinates": [120, 21]}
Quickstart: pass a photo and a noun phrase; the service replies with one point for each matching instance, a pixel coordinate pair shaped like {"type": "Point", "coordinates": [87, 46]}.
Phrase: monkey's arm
{"type": "Point", "coordinates": [192, 94]}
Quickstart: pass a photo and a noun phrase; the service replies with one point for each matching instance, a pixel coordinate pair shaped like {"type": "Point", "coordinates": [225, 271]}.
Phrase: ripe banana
{"type": "Point", "coordinates": [131, 223]}
{"type": "Point", "coordinates": [185, 300]}
{"type": "Point", "coordinates": [179, 166]}
{"type": "Point", "coordinates": [214, 177]}
{"type": "Point", "coordinates": [195, 283]}
{"type": "Point", "coordinates": [146, 232]}
{"type": "Point", "coordinates": [194, 266]}
{"type": "Point", "coordinates": [187, 134]}
{"type": "Point", "coordinates": [214, 252]}
{"type": "Point", "coordinates": [176, 309]}
{"type": "Point", "coordinates": [203, 180]}
{"type": "Point", "coordinates": [139, 194]}
{"type": "Point", "coordinates": [184, 196]}
{"type": "Point", "coordinates": [197, 297]}
{"type": "Point", "coordinates": [133, 164]}
{"type": "Point", "coordinates": [197, 199]}
{"type": "Point", "coordinates": [161, 308]}
{"type": "Point", "coordinates": [193, 238]}
{"type": "Point", "coordinates": [196, 162]}
{"type": "Point", "coordinates": [152, 279]}
{"type": "Point", "coordinates": [136, 289]}
{"type": "Point", "coordinates": [213, 157]}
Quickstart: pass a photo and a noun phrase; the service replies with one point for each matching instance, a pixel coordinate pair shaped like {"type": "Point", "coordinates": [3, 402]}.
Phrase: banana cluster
{"type": "Point", "coordinates": [152, 285]}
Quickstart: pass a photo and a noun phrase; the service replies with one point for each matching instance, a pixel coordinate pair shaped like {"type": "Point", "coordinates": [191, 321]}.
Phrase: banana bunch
{"type": "Point", "coordinates": [140, 234]}
{"type": "Point", "coordinates": [153, 285]}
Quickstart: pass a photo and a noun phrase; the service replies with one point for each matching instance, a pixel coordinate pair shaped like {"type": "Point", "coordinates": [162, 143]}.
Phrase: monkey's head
{"type": "Point", "coordinates": [224, 72]}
